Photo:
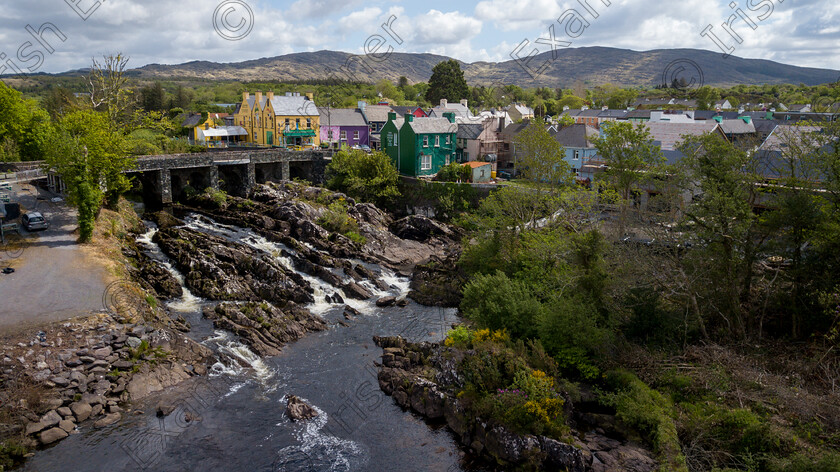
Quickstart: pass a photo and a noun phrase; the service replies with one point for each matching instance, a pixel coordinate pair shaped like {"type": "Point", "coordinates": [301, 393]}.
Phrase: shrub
{"type": "Point", "coordinates": [650, 412]}
{"type": "Point", "coordinates": [367, 177]}
{"type": "Point", "coordinates": [453, 172]}
{"type": "Point", "coordinates": [497, 302]}
{"type": "Point", "coordinates": [335, 219]}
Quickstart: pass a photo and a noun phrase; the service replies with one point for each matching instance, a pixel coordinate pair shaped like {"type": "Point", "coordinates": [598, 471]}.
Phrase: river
{"type": "Point", "coordinates": [233, 419]}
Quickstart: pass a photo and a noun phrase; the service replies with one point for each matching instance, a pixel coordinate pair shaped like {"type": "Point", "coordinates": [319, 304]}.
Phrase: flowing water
{"type": "Point", "coordinates": [233, 418]}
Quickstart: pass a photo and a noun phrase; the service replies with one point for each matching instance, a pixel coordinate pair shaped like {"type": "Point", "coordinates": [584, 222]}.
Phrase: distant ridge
{"type": "Point", "coordinates": [591, 65]}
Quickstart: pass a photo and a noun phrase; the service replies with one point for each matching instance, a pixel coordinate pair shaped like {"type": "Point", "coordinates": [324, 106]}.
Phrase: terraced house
{"type": "Point", "coordinates": [290, 120]}
{"type": "Point", "coordinates": [419, 147]}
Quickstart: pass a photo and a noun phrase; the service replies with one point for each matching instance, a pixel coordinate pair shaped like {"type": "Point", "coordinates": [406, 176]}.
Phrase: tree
{"type": "Point", "coordinates": [153, 98]}
{"type": "Point", "coordinates": [540, 156]}
{"type": "Point", "coordinates": [89, 156]}
{"type": "Point", "coordinates": [706, 97]}
{"type": "Point", "coordinates": [388, 90]}
{"type": "Point", "coordinates": [107, 83]}
{"type": "Point", "coordinates": [60, 101]}
{"type": "Point", "coordinates": [447, 82]}
{"type": "Point", "coordinates": [724, 221]}
{"type": "Point", "coordinates": [368, 177]}
{"type": "Point", "coordinates": [26, 130]}
{"type": "Point", "coordinates": [631, 157]}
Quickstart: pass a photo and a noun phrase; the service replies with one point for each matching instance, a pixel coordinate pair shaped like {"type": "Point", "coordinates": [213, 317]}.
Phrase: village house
{"type": "Point", "coordinates": [343, 127]}
{"type": "Point", "coordinates": [480, 140]}
{"type": "Point", "coordinates": [376, 117]}
{"type": "Point", "coordinates": [289, 120]}
{"type": "Point", "coordinates": [460, 110]}
{"type": "Point", "coordinates": [520, 112]}
{"type": "Point", "coordinates": [418, 112]}
{"type": "Point", "coordinates": [419, 147]}
{"type": "Point", "coordinates": [480, 172]}
{"type": "Point", "coordinates": [577, 141]}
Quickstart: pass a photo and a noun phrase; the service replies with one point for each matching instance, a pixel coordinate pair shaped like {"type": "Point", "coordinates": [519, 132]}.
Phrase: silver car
{"type": "Point", "coordinates": [34, 221]}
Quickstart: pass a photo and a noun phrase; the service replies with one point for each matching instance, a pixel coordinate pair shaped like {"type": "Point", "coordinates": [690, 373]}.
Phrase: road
{"type": "Point", "coordinates": [53, 279]}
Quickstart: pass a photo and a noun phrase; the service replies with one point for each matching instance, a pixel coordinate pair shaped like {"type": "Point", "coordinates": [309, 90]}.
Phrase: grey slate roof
{"type": "Point", "coordinates": [513, 129]}
{"type": "Point", "coordinates": [342, 117]}
{"type": "Point", "coordinates": [737, 127]}
{"type": "Point", "coordinates": [295, 105]}
{"type": "Point", "coordinates": [638, 114]}
{"type": "Point", "coordinates": [404, 110]}
{"type": "Point", "coordinates": [377, 113]}
{"type": "Point", "coordinates": [456, 108]}
{"type": "Point", "coordinates": [611, 113]}
{"type": "Point", "coordinates": [433, 126]}
{"type": "Point", "coordinates": [669, 134]}
{"type": "Point", "coordinates": [469, 131]}
{"type": "Point", "coordinates": [575, 136]}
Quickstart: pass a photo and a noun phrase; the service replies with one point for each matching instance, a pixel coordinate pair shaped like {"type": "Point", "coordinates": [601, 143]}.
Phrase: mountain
{"type": "Point", "coordinates": [591, 65]}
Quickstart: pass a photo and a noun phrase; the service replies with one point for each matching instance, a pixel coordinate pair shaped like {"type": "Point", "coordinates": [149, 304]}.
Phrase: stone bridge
{"type": "Point", "coordinates": [165, 178]}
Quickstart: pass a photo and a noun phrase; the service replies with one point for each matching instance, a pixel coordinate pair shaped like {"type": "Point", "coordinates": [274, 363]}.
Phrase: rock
{"type": "Point", "coordinates": [87, 359]}
{"type": "Point", "coordinates": [402, 302]}
{"type": "Point", "coordinates": [386, 301]}
{"type": "Point", "coordinates": [67, 425]}
{"type": "Point", "coordinates": [350, 310]}
{"type": "Point", "coordinates": [61, 381]}
{"type": "Point", "coordinates": [74, 362]}
{"type": "Point", "coordinates": [297, 410]}
{"type": "Point", "coordinates": [560, 456]}
{"type": "Point", "coordinates": [52, 435]}
{"type": "Point", "coordinates": [35, 427]}
{"type": "Point", "coordinates": [164, 409]}
{"type": "Point", "coordinates": [81, 410]}
{"type": "Point", "coordinates": [356, 291]}
{"type": "Point", "coordinates": [102, 353]}
{"type": "Point", "coordinates": [50, 419]}
{"type": "Point", "coordinates": [107, 420]}
{"type": "Point", "coordinates": [95, 410]}
{"type": "Point", "coordinates": [122, 365]}
{"type": "Point", "coordinates": [133, 342]}
{"type": "Point", "coordinates": [65, 412]}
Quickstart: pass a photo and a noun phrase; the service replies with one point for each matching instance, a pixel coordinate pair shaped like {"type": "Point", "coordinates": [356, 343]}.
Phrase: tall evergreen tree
{"type": "Point", "coordinates": [447, 82]}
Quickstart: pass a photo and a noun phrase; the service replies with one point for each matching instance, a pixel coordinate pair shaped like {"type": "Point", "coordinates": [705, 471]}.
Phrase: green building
{"type": "Point", "coordinates": [419, 147]}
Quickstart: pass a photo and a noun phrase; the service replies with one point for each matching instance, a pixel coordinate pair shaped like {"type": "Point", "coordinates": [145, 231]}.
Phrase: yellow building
{"type": "Point", "coordinates": [290, 120]}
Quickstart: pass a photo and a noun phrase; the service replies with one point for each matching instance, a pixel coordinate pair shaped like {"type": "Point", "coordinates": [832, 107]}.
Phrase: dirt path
{"type": "Point", "coordinates": [53, 280]}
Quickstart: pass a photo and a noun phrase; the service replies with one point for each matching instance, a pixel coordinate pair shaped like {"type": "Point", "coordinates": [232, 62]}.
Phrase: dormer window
{"type": "Point", "coordinates": [425, 141]}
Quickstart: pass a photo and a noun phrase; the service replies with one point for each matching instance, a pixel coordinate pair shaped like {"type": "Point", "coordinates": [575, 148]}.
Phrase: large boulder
{"type": "Point", "coordinates": [420, 228]}
{"type": "Point", "coordinates": [52, 435]}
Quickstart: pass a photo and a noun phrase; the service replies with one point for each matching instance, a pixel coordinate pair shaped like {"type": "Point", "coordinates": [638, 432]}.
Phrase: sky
{"type": "Point", "coordinates": [61, 35]}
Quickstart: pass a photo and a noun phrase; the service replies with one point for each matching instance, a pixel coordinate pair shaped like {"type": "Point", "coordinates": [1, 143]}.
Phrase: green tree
{"type": "Point", "coordinates": [153, 97]}
{"type": "Point", "coordinates": [540, 157]}
{"type": "Point", "coordinates": [706, 97]}
{"type": "Point", "coordinates": [370, 177]}
{"type": "Point", "coordinates": [447, 82]}
{"type": "Point", "coordinates": [90, 156]}
{"type": "Point", "coordinates": [26, 130]}
{"type": "Point", "coordinates": [631, 157]}
{"type": "Point", "coordinates": [724, 220]}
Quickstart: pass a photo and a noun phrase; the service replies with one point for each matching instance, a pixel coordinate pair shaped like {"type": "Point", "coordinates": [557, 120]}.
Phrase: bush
{"type": "Point", "coordinates": [650, 412]}
{"type": "Point", "coordinates": [649, 322]}
{"type": "Point", "coordinates": [219, 197]}
{"type": "Point", "coordinates": [453, 172]}
{"type": "Point", "coordinates": [366, 177]}
{"type": "Point", "coordinates": [500, 303]}
{"type": "Point", "coordinates": [336, 220]}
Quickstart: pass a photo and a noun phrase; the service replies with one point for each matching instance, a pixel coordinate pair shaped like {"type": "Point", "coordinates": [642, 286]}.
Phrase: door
{"type": "Point", "coordinates": [269, 138]}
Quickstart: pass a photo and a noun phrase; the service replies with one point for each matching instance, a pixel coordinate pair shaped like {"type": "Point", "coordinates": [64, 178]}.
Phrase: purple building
{"type": "Point", "coordinates": [344, 127]}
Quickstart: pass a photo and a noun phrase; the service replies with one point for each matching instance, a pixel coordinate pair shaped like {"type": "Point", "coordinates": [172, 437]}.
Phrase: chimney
{"type": "Point", "coordinates": [409, 118]}
{"type": "Point", "coordinates": [392, 116]}
{"type": "Point", "coordinates": [258, 97]}
{"type": "Point", "coordinates": [310, 96]}
{"type": "Point", "coordinates": [362, 105]}
{"type": "Point", "coordinates": [605, 108]}
{"type": "Point", "coordinates": [269, 95]}
{"type": "Point", "coordinates": [245, 96]}
{"type": "Point", "coordinates": [449, 116]}
{"type": "Point", "coordinates": [464, 102]}
{"type": "Point", "coordinates": [288, 94]}
{"type": "Point", "coordinates": [443, 103]}
{"type": "Point", "coordinates": [747, 119]}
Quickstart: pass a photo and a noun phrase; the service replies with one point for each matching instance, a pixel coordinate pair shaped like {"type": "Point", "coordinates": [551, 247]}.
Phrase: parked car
{"type": "Point", "coordinates": [34, 221]}
{"type": "Point", "coordinates": [365, 148]}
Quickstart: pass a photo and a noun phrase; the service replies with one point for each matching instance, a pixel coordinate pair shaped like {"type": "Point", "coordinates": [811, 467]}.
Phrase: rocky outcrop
{"type": "Point", "coordinates": [424, 378]}
{"type": "Point", "coordinates": [264, 327]}
{"type": "Point", "coordinates": [218, 269]}
{"type": "Point", "coordinates": [438, 282]}
{"type": "Point", "coordinates": [297, 410]}
{"type": "Point", "coordinates": [420, 228]}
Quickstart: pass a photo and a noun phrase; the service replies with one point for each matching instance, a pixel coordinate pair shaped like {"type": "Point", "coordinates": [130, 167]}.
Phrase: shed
{"type": "Point", "coordinates": [481, 171]}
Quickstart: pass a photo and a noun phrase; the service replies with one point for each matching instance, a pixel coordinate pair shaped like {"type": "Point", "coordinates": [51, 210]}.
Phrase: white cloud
{"type": "Point", "coordinates": [437, 28]}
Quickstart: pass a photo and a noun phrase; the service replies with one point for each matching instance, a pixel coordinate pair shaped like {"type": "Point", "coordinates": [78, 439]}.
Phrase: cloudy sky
{"type": "Point", "coordinates": [800, 32]}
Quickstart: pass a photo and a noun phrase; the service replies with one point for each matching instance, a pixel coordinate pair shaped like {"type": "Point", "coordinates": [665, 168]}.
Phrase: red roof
{"type": "Point", "coordinates": [476, 164]}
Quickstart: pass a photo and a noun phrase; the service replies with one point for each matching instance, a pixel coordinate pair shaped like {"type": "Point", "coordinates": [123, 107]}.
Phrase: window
{"type": "Point", "coordinates": [356, 135]}
{"type": "Point", "coordinates": [309, 122]}
{"type": "Point", "coordinates": [437, 141]}
{"type": "Point", "coordinates": [297, 123]}
{"type": "Point", "coordinates": [447, 139]}
{"type": "Point", "coordinates": [287, 122]}
{"type": "Point", "coordinates": [425, 141]}
{"type": "Point", "coordinates": [577, 154]}
{"type": "Point", "coordinates": [447, 160]}
{"type": "Point", "coordinates": [425, 162]}
{"type": "Point", "coordinates": [344, 135]}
